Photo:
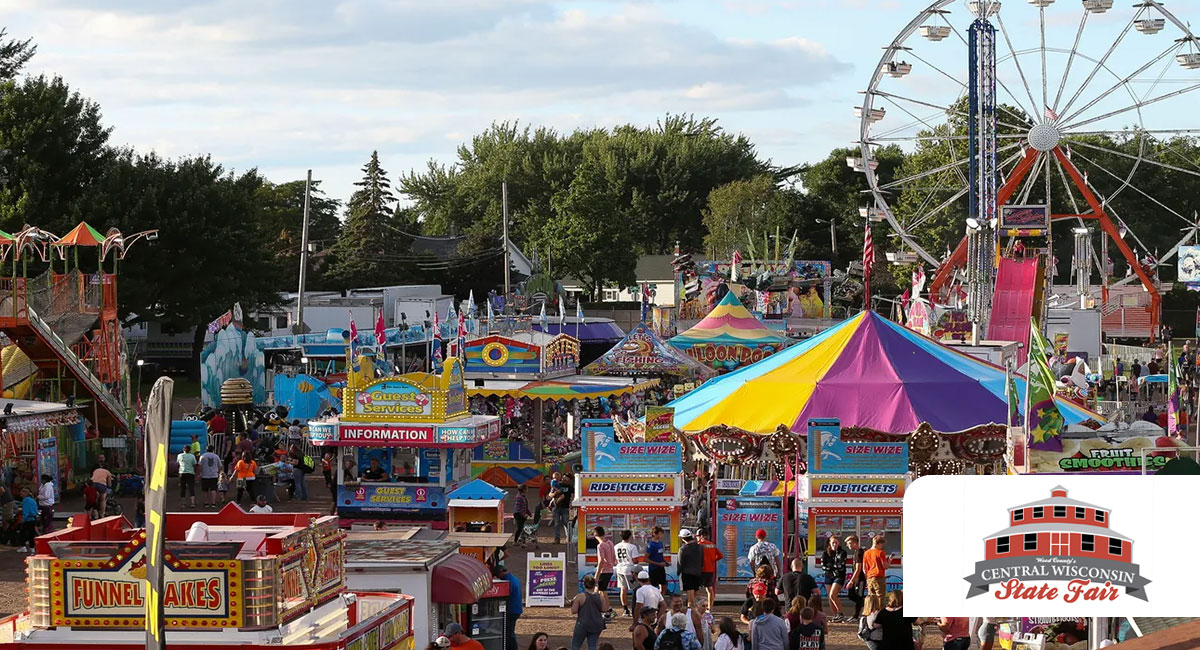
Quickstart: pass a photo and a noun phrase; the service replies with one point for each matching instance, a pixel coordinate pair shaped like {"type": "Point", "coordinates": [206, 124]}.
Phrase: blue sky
{"type": "Point", "coordinates": [284, 85]}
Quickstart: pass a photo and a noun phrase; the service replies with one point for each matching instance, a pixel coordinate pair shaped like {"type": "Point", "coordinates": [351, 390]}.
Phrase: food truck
{"type": "Point", "coordinates": [401, 444]}
{"type": "Point", "coordinates": [232, 580]}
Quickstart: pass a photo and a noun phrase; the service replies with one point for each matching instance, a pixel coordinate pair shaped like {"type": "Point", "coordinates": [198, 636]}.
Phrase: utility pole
{"type": "Point", "coordinates": [299, 329]}
{"type": "Point", "coordinates": [504, 201]}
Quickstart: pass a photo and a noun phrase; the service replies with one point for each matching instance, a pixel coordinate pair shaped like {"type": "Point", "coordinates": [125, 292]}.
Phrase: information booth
{"type": "Point", "coordinates": [402, 444]}
{"type": "Point", "coordinates": [854, 489]}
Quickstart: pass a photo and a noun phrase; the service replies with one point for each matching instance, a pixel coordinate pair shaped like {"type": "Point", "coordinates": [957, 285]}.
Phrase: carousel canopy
{"type": "Point", "coordinates": [81, 235]}
{"type": "Point", "coordinates": [867, 372]}
{"type": "Point", "coordinates": [642, 352]}
{"type": "Point", "coordinates": [562, 388]}
{"type": "Point", "coordinates": [729, 323]}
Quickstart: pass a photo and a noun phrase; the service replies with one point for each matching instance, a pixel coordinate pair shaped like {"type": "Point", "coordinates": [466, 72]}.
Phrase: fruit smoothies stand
{"type": "Point", "coordinates": [401, 444]}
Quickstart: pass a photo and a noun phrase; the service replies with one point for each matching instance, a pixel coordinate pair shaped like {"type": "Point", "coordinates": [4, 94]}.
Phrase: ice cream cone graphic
{"type": "Point", "coordinates": [731, 555]}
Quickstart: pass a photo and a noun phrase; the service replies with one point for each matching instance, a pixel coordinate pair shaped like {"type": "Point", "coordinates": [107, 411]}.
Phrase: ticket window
{"type": "Point", "coordinates": [866, 527]}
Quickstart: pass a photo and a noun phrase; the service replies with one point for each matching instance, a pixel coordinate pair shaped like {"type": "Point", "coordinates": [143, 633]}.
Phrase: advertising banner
{"type": "Point", "coordinates": [660, 425]}
{"type": "Point", "coordinates": [1024, 217]}
{"type": "Point", "coordinates": [1066, 546]}
{"type": "Point", "coordinates": [627, 486]}
{"type": "Point", "coordinates": [386, 435]}
{"type": "Point", "coordinates": [322, 431]}
{"type": "Point", "coordinates": [1108, 455]}
{"type": "Point", "coordinates": [602, 452]}
{"type": "Point", "coordinates": [47, 461]}
{"type": "Point", "coordinates": [388, 497]}
{"type": "Point", "coordinates": [545, 579]}
{"type": "Point", "coordinates": [856, 488]}
{"type": "Point", "coordinates": [738, 519]}
{"type": "Point", "coordinates": [827, 454]}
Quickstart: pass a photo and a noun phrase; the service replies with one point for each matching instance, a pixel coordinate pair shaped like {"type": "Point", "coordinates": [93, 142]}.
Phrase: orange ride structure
{"type": "Point", "coordinates": [66, 319]}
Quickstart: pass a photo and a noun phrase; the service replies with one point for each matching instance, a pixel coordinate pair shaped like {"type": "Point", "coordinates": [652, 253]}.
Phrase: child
{"type": "Point", "coordinates": [260, 506]}
{"type": "Point", "coordinates": [327, 469]}
{"type": "Point", "coordinates": [808, 635]}
{"type": "Point", "coordinates": [223, 486]}
{"type": "Point", "coordinates": [91, 500]}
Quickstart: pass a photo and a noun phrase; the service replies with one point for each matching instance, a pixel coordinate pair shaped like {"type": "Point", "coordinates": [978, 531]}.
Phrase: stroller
{"type": "Point", "coordinates": [529, 532]}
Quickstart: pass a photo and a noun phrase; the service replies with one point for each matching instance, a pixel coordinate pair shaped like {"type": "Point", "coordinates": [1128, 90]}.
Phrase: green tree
{"type": "Point", "coordinates": [837, 192]}
{"type": "Point", "coordinates": [53, 148]}
{"type": "Point", "coordinates": [210, 252]}
{"type": "Point", "coordinates": [14, 55]}
{"type": "Point", "coordinates": [759, 206]}
{"type": "Point", "coordinates": [370, 251]}
{"type": "Point", "coordinates": [282, 222]}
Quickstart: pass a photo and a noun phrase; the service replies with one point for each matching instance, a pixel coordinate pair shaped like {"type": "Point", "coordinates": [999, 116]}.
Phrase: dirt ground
{"type": "Point", "coordinates": [556, 622]}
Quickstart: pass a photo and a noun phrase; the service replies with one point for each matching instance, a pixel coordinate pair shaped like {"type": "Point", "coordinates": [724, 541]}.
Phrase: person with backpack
{"type": "Point", "coordinates": [728, 637]}
{"type": "Point", "coordinates": [764, 552]}
{"type": "Point", "coordinates": [676, 636]}
{"type": "Point", "coordinates": [589, 607]}
{"type": "Point", "coordinates": [869, 630]}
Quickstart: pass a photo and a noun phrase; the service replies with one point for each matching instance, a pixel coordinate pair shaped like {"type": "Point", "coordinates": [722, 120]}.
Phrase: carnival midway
{"type": "Point", "coordinates": [723, 466]}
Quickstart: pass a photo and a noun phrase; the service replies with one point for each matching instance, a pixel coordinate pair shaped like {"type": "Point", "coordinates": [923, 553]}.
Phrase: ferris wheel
{"type": "Point", "coordinates": [1027, 102]}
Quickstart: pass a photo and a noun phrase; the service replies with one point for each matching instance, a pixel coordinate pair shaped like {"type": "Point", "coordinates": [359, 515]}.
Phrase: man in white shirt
{"type": "Point", "coordinates": [648, 596]}
{"type": "Point", "coordinates": [763, 552]}
{"type": "Point", "coordinates": [627, 553]}
{"type": "Point", "coordinates": [46, 498]}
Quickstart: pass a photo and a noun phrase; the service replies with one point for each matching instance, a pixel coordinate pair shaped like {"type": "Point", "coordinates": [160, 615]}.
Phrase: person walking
{"type": "Point", "coordinates": [647, 598]}
{"type": "Point", "coordinates": [987, 632]}
{"type": "Point", "coordinates": [589, 607]}
{"type": "Point", "coordinates": [187, 476]}
{"type": "Point", "coordinates": [560, 499]}
{"type": "Point", "coordinates": [897, 628]}
{"type": "Point", "coordinates": [627, 554]}
{"type": "Point", "coordinates": [520, 514]}
{"type": "Point", "coordinates": [675, 635]}
{"type": "Point", "coordinates": [767, 630]}
{"type": "Point", "coordinates": [856, 585]}
{"type": "Point", "coordinates": [956, 632]}
{"type": "Point", "coordinates": [833, 563]}
{"type": "Point", "coordinates": [691, 565]}
{"type": "Point", "coordinates": [46, 498]}
{"type": "Point", "coordinates": [702, 624]}
{"type": "Point", "coordinates": [30, 513]}
{"type": "Point", "coordinates": [606, 559]}
{"type": "Point", "coordinates": [210, 471]}
{"type": "Point", "coordinates": [708, 575]}
{"type": "Point", "coordinates": [245, 471]}
{"type": "Point", "coordinates": [764, 552]}
{"type": "Point", "coordinates": [516, 604]}
{"type": "Point", "coordinates": [875, 564]}
{"type": "Point", "coordinates": [299, 461]}
{"type": "Point", "coordinates": [796, 582]}
{"type": "Point", "coordinates": [103, 480]}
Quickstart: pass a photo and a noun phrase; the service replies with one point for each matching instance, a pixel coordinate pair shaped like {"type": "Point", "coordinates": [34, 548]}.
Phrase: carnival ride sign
{"type": "Point", "coordinates": [197, 594]}
{"type": "Point", "coordinates": [828, 454]}
{"type": "Point", "coordinates": [660, 423]}
{"type": "Point", "coordinates": [392, 398]}
{"type": "Point", "coordinates": [310, 575]}
{"type": "Point", "coordinates": [742, 355]}
{"type": "Point", "coordinates": [322, 432]}
{"type": "Point", "coordinates": [738, 521]}
{"type": "Point", "coordinates": [1024, 217]}
{"type": "Point", "coordinates": [726, 445]}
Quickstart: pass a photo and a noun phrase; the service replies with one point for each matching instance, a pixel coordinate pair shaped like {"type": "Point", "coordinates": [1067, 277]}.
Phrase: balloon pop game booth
{"type": "Point", "coordinates": [628, 486]}
{"type": "Point", "coordinates": [402, 444]}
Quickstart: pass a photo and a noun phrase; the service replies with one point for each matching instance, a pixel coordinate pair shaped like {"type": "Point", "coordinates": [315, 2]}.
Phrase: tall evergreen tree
{"type": "Point", "coordinates": [371, 250]}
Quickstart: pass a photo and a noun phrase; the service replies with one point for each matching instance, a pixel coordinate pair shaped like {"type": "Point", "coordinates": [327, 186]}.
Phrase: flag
{"type": "Point", "coordinates": [1050, 114]}
{"type": "Point", "coordinates": [562, 315]}
{"type": "Point", "coordinates": [735, 265]}
{"type": "Point", "coordinates": [461, 340]}
{"type": "Point", "coordinates": [542, 318]}
{"type": "Point", "coordinates": [472, 310]}
{"type": "Point", "coordinates": [451, 322]}
{"type": "Point", "coordinates": [1172, 391]}
{"type": "Point", "coordinates": [437, 338]}
{"type": "Point", "coordinates": [1043, 421]}
{"type": "Point", "coordinates": [1014, 400]}
{"type": "Point", "coordinates": [868, 261]}
{"type": "Point", "coordinates": [353, 340]}
{"type": "Point", "coordinates": [490, 316]}
{"type": "Point", "coordinates": [579, 311]}
{"type": "Point", "coordinates": [645, 302]}
{"type": "Point", "coordinates": [380, 330]}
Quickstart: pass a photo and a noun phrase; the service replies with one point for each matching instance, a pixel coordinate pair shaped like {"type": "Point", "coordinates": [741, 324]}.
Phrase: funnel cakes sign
{"type": "Point", "coordinates": [111, 593]}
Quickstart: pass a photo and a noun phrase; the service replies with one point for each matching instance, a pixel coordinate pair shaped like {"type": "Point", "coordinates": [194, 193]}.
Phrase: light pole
{"type": "Point", "coordinates": [832, 234]}
{"type": "Point", "coordinates": [140, 363]}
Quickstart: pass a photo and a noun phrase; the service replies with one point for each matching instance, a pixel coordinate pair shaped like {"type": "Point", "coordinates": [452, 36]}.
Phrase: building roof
{"type": "Point", "coordinates": [655, 268]}
{"type": "Point", "coordinates": [1056, 527]}
{"type": "Point", "coordinates": [1058, 501]}
{"type": "Point", "coordinates": [1165, 634]}
{"type": "Point", "coordinates": [477, 490]}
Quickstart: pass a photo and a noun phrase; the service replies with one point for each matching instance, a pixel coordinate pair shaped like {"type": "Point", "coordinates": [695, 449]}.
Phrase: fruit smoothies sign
{"type": "Point", "coordinates": [111, 593]}
{"type": "Point", "coordinates": [545, 580]}
{"type": "Point", "coordinates": [827, 454]}
{"type": "Point", "coordinates": [737, 522]}
{"type": "Point", "coordinates": [1106, 455]}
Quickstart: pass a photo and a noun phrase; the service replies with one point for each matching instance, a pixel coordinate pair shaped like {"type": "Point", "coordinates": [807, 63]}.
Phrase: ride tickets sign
{"type": "Point", "coordinates": [198, 594]}
{"type": "Point", "coordinates": [606, 487]}
{"type": "Point", "coordinates": [1073, 546]}
{"type": "Point", "coordinates": [857, 488]}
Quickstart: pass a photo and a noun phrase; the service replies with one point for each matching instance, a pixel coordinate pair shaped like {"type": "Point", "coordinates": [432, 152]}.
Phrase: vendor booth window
{"type": "Point", "coordinates": [1002, 545]}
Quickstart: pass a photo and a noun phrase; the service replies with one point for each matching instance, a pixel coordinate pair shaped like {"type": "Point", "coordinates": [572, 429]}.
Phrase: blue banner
{"type": "Point", "coordinates": [602, 453]}
{"type": "Point", "coordinates": [390, 497]}
{"type": "Point", "coordinates": [827, 454]}
{"type": "Point", "coordinates": [738, 519]}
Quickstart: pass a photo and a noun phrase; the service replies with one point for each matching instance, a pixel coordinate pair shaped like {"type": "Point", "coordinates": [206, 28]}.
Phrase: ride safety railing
{"type": "Point", "coordinates": [102, 391]}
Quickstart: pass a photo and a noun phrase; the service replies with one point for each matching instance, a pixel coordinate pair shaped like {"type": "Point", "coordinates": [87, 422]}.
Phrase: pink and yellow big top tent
{"type": "Point", "coordinates": [867, 372]}
{"type": "Point", "coordinates": [730, 337]}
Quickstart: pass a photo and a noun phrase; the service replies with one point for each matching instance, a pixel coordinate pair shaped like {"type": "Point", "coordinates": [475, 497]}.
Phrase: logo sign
{"type": "Point", "coordinates": [730, 356]}
{"type": "Point", "coordinates": [384, 435]}
{"type": "Point", "coordinates": [1024, 217]}
{"type": "Point", "coordinates": [1077, 546]}
{"type": "Point", "coordinates": [455, 435]}
{"type": "Point", "coordinates": [602, 452]}
{"type": "Point", "coordinates": [855, 488]}
{"type": "Point", "coordinates": [112, 592]}
{"type": "Point", "coordinates": [322, 432]}
{"type": "Point", "coordinates": [393, 398]}
{"type": "Point", "coordinates": [545, 579]}
{"type": "Point", "coordinates": [729, 485]}
{"type": "Point", "coordinates": [827, 454]}
{"type": "Point", "coordinates": [1113, 456]}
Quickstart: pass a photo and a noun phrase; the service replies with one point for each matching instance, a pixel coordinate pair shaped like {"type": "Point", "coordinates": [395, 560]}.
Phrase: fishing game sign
{"type": "Point", "coordinates": [111, 593]}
